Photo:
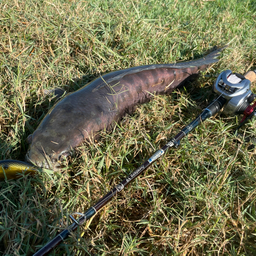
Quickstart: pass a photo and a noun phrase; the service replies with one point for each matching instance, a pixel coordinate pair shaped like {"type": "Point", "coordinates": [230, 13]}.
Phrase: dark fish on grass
{"type": "Point", "coordinates": [101, 103]}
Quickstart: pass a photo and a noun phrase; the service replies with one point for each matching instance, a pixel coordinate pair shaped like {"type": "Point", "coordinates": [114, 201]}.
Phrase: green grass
{"type": "Point", "coordinates": [198, 199]}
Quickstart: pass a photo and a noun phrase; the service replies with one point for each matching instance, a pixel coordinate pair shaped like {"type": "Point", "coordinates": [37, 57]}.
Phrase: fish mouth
{"type": "Point", "coordinates": [45, 161]}
{"type": "Point", "coordinates": [40, 161]}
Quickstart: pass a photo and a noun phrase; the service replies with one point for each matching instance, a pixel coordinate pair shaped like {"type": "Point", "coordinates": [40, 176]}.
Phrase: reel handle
{"type": "Point", "coordinates": [251, 75]}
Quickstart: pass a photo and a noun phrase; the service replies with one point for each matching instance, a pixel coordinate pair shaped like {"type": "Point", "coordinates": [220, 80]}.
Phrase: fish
{"type": "Point", "coordinates": [98, 105]}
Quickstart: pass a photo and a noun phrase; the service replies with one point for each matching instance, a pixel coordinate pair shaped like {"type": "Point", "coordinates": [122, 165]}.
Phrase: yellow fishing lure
{"type": "Point", "coordinates": [11, 169]}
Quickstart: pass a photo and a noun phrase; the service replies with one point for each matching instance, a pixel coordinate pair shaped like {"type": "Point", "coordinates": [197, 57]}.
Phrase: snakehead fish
{"type": "Point", "coordinates": [99, 104]}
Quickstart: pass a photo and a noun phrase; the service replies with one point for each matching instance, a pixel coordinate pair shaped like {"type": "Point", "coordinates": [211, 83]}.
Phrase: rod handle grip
{"type": "Point", "coordinates": [251, 75]}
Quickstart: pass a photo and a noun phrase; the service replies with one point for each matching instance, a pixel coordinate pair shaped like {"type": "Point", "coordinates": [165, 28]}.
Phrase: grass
{"type": "Point", "coordinates": [198, 199]}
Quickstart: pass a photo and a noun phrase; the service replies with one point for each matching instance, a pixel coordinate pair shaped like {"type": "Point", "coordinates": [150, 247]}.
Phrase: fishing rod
{"type": "Point", "coordinates": [234, 93]}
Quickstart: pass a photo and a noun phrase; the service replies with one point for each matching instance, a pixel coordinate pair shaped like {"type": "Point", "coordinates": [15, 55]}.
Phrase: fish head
{"type": "Point", "coordinates": [44, 151]}
{"type": "Point", "coordinates": [59, 132]}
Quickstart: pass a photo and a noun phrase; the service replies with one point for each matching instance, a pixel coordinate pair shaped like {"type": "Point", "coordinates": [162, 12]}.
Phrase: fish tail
{"type": "Point", "coordinates": [210, 58]}
{"type": "Point", "coordinates": [203, 62]}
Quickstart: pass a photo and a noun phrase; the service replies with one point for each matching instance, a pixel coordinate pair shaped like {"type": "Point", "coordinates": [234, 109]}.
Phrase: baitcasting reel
{"type": "Point", "coordinates": [236, 89]}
